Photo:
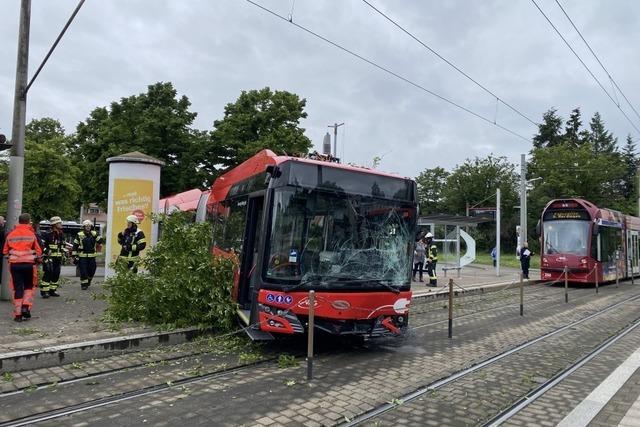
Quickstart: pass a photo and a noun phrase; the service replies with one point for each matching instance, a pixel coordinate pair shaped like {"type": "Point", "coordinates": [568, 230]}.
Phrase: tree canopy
{"type": "Point", "coordinates": [260, 119]}
{"type": "Point", "coordinates": [51, 179]}
{"type": "Point", "coordinates": [157, 123]}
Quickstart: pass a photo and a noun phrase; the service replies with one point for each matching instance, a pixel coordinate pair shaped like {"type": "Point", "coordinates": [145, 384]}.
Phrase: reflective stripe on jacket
{"type": "Point", "coordinates": [21, 245]}
{"type": "Point", "coordinates": [53, 244]}
{"type": "Point", "coordinates": [85, 244]}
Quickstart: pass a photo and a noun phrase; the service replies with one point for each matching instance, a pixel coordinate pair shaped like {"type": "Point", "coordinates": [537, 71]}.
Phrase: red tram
{"type": "Point", "coordinates": [298, 224]}
{"type": "Point", "coordinates": [591, 242]}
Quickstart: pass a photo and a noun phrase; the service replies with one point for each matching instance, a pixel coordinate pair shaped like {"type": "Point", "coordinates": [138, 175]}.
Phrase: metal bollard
{"type": "Point", "coordinates": [450, 308]}
{"type": "Point", "coordinates": [566, 284]}
{"type": "Point", "coordinates": [521, 295]}
{"type": "Point", "coordinates": [312, 309]}
{"type": "Point", "coordinates": [617, 278]}
{"type": "Point", "coordinates": [596, 271]}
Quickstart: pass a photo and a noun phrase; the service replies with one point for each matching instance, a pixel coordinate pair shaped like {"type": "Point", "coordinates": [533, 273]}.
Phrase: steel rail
{"type": "Point", "coordinates": [464, 372]}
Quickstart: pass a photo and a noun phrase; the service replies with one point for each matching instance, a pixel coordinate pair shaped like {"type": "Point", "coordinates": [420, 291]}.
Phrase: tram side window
{"type": "Point", "coordinates": [610, 243]}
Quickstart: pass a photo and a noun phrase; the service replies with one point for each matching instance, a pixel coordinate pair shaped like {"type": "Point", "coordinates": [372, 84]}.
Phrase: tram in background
{"type": "Point", "coordinates": [301, 224]}
{"type": "Point", "coordinates": [580, 236]}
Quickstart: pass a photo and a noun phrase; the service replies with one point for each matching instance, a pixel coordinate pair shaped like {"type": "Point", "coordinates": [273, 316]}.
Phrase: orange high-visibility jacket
{"type": "Point", "coordinates": [22, 245]}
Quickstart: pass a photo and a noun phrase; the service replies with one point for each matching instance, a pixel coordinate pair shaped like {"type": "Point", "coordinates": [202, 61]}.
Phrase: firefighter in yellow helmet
{"type": "Point", "coordinates": [432, 260]}
{"type": "Point", "coordinates": [132, 241]}
{"type": "Point", "coordinates": [53, 245]}
{"type": "Point", "coordinates": [85, 248]}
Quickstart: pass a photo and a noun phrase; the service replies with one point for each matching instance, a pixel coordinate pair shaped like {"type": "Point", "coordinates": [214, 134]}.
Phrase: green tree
{"type": "Point", "coordinates": [157, 123]}
{"type": "Point", "coordinates": [431, 183]}
{"type": "Point", "coordinates": [573, 135]}
{"type": "Point", "coordinates": [549, 131]}
{"type": "Point", "coordinates": [601, 139]}
{"type": "Point", "coordinates": [630, 161]}
{"type": "Point", "coordinates": [259, 119]}
{"type": "Point", "coordinates": [50, 176]}
{"type": "Point", "coordinates": [477, 180]}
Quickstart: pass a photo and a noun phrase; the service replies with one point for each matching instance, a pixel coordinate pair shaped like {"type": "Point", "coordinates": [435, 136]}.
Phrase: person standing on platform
{"type": "Point", "coordinates": [418, 258]}
{"type": "Point", "coordinates": [23, 250]}
{"type": "Point", "coordinates": [53, 249]}
{"type": "Point", "coordinates": [132, 241]}
{"type": "Point", "coordinates": [525, 260]}
{"type": "Point", "coordinates": [494, 256]}
{"type": "Point", "coordinates": [85, 249]}
{"type": "Point", "coordinates": [432, 260]}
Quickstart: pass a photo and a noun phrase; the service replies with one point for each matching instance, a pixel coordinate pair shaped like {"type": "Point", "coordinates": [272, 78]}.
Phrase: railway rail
{"type": "Point", "coordinates": [378, 411]}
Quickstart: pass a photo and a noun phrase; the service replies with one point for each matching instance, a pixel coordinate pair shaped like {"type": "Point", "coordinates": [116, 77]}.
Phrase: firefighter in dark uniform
{"type": "Point", "coordinates": [432, 260]}
{"type": "Point", "coordinates": [132, 241]}
{"type": "Point", "coordinates": [53, 245]}
{"type": "Point", "coordinates": [85, 249]}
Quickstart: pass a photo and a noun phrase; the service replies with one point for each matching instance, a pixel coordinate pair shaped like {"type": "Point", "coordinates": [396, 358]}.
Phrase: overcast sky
{"type": "Point", "coordinates": [211, 50]}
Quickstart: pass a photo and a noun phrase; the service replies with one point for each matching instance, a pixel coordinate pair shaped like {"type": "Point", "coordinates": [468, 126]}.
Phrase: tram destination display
{"type": "Point", "coordinates": [572, 214]}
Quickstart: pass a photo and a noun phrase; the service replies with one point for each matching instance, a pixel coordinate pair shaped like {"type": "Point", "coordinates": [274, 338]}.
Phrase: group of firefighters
{"type": "Point", "coordinates": [425, 257]}
{"type": "Point", "coordinates": [25, 250]}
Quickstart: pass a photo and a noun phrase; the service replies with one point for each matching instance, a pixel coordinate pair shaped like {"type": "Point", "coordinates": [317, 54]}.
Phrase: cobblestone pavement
{"type": "Point", "coordinates": [351, 382]}
{"type": "Point", "coordinates": [477, 397]}
{"type": "Point", "coordinates": [554, 405]}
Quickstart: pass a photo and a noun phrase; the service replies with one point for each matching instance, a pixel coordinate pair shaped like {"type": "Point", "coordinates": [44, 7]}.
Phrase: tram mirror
{"type": "Point", "coordinates": [538, 228]}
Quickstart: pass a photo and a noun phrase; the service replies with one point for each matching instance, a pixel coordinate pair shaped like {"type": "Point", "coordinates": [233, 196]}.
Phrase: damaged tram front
{"type": "Point", "coordinates": [297, 225]}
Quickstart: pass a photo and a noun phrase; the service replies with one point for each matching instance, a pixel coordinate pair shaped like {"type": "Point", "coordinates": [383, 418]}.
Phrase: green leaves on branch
{"type": "Point", "coordinates": [181, 283]}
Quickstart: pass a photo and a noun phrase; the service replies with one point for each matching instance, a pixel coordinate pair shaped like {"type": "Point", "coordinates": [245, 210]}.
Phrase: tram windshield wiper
{"type": "Point", "coordinates": [316, 279]}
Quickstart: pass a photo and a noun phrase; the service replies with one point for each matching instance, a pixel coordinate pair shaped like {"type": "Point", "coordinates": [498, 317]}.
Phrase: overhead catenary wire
{"type": "Point", "coordinates": [55, 44]}
{"type": "Point", "coordinates": [451, 64]}
{"type": "Point", "coordinates": [611, 79]}
{"type": "Point", "coordinates": [389, 71]}
{"type": "Point", "coordinates": [586, 67]}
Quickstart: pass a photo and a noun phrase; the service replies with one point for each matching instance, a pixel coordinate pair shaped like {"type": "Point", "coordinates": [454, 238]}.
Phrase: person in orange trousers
{"type": "Point", "coordinates": [23, 250]}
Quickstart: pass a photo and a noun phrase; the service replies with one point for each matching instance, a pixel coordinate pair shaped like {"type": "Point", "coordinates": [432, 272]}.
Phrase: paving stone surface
{"type": "Point", "coordinates": [348, 383]}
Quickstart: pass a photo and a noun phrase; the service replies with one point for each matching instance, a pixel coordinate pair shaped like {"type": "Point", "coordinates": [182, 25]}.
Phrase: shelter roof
{"type": "Point", "coordinates": [456, 220]}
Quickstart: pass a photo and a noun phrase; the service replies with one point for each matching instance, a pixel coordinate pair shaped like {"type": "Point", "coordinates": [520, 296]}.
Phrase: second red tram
{"type": "Point", "coordinates": [592, 243]}
{"type": "Point", "coordinates": [298, 224]}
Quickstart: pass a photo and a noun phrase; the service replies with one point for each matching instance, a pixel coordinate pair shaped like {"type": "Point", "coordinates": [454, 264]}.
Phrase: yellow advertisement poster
{"type": "Point", "coordinates": [130, 197]}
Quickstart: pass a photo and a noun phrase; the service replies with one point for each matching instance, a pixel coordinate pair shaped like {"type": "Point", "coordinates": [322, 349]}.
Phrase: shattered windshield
{"type": "Point", "coordinates": [330, 239]}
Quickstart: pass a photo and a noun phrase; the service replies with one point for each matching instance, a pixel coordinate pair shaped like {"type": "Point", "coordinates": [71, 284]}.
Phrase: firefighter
{"type": "Point", "coordinates": [132, 241]}
{"type": "Point", "coordinates": [23, 250]}
{"type": "Point", "coordinates": [432, 260]}
{"type": "Point", "coordinates": [53, 250]}
{"type": "Point", "coordinates": [85, 249]}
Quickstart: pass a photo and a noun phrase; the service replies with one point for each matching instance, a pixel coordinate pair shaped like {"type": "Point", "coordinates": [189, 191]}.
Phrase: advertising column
{"type": "Point", "coordinates": [134, 189]}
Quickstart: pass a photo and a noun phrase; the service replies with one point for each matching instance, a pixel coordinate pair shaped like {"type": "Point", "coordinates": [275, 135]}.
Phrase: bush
{"type": "Point", "coordinates": [180, 283]}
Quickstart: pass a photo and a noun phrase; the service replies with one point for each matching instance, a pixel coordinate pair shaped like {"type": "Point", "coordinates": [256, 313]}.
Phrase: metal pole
{"type": "Point", "coordinates": [335, 127]}
{"type": "Point", "coordinates": [312, 309]}
{"type": "Point", "coordinates": [617, 278]}
{"type": "Point", "coordinates": [521, 295]}
{"type": "Point", "coordinates": [596, 271]}
{"type": "Point", "coordinates": [450, 308]}
{"type": "Point", "coordinates": [566, 284]}
{"type": "Point", "coordinates": [523, 200]}
{"type": "Point", "coordinates": [16, 165]}
{"type": "Point", "coordinates": [638, 189]}
{"type": "Point", "coordinates": [498, 232]}
{"type": "Point", "coordinates": [458, 247]}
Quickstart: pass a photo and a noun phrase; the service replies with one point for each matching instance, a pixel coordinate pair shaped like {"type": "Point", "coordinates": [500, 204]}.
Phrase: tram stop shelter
{"type": "Point", "coordinates": [448, 230]}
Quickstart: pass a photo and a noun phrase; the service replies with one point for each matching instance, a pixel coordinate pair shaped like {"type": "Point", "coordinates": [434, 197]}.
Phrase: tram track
{"type": "Point", "coordinates": [539, 391]}
{"type": "Point", "coordinates": [379, 410]}
{"type": "Point", "coordinates": [128, 395]}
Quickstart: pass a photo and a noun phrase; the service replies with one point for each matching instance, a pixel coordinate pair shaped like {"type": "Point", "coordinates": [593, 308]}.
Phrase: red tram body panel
{"type": "Point", "coordinates": [592, 243]}
{"type": "Point", "coordinates": [300, 224]}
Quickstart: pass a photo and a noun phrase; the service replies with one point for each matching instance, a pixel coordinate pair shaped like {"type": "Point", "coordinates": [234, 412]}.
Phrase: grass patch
{"type": "Point", "coordinates": [23, 332]}
{"type": "Point", "coordinates": [287, 361]}
{"type": "Point", "coordinates": [507, 259]}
